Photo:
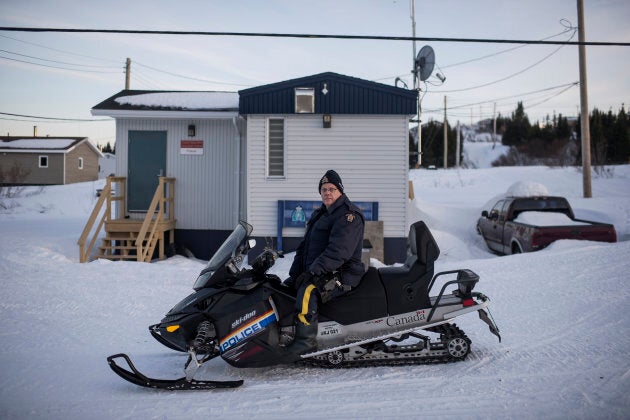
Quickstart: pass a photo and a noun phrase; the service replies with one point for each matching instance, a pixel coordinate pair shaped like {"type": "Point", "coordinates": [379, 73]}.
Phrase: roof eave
{"type": "Point", "coordinates": [147, 113]}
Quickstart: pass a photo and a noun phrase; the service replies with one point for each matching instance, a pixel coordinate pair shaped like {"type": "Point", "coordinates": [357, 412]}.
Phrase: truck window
{"type": "Point", "coordinates": [497, 209]}
{"type": "Point", "coordinates": [506, 207]}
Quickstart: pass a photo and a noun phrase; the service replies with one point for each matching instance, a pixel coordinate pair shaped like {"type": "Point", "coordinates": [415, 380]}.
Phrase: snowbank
{"type": "Point", "coordinates": [563, 315]}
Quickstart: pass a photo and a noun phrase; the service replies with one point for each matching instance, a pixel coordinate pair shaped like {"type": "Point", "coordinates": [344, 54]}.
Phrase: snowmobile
{"type": "Point", "coordinates": [246, 316]}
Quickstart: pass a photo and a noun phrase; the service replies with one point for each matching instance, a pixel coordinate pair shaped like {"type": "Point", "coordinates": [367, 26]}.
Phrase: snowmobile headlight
{"type": "Point", "coordinates": [172, 328]}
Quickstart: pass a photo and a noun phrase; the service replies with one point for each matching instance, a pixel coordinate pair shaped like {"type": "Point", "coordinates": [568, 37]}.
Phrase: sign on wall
{"type": "Point", "coordinates": [295, 213]}
{"type": "Point", "coordinates": [191, 147]}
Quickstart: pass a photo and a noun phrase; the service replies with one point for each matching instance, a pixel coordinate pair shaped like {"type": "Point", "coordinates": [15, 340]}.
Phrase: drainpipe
{"type": "Point", "coordinates": [238, 169]}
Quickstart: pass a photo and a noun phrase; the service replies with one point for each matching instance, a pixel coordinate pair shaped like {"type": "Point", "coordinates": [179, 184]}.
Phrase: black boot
{"type": "Point", "coordinates": [305, 341]}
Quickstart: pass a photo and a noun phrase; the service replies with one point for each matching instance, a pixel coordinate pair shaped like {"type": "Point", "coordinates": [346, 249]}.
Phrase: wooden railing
{"type": "Point", "coordinates": [106, 197]}
{"type": "Point", "coordinates": [161, 206]}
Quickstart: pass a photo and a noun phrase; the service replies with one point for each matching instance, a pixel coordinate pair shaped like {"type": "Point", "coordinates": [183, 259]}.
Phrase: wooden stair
{"type": "Point", "coordinates": [130, 239]}
{"type": "Point", "coordinates": [118, 246]}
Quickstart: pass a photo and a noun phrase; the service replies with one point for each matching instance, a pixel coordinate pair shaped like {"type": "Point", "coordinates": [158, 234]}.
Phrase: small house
{"type": "Point", "coordinates": [194, 141]}
{"type": "Point", "coordinates": [297, 129]}
{"type": "Point", "coordinates": [257, 154]}
{"type": "Point", "coordinates": [47, 160]}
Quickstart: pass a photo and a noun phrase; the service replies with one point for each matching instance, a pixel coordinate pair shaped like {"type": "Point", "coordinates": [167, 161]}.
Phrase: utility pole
{"type": "Point", "coordinates": [128, 74]}
{"type": "Point", "coordinates": [494, 126]}
{"type": "Point", "coordinates": [584, 126]}
{"type": "Point", "coordinates": [457, 147]}
{"type": "Point", "coordinates": [445, 136]}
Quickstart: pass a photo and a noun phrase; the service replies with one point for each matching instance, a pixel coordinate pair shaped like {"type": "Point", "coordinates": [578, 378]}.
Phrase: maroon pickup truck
{"type": "Point", "coordinates": [523, 224]}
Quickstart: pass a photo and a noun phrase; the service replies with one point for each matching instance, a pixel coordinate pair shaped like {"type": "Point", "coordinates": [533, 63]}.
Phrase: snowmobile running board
{"type": "Point", "coordinates": [136, 377]}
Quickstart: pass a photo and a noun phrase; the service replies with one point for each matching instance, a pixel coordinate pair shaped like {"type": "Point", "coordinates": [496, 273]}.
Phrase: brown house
{"type": "Point", "coordinates": [47, 160]}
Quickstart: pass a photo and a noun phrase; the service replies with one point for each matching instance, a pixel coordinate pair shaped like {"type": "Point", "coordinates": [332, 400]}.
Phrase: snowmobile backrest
{"type": "Point", "coordinates": [422, 243]}
{"type": "Point", "coordinates": [407, 286]}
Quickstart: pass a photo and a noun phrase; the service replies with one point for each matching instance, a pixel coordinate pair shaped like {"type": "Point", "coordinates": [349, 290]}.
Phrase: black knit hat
{"type": "Point", "coordinates": [331, 177]}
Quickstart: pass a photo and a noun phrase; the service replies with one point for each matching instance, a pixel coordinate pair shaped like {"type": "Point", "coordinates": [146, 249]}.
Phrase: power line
{"type": "Point", "coordinates": [566, 25]}
{"type": "Point", "coordinates": [564, 88]}
{"type": "Point", "coordinates": [190, 78]}
{"type": "Point", "coordinates": [316, 36]}
{"type": "Point", "coordinates": [55, 118]}
{"type": "Point", "coordinates": [56, 67]}
{"type": "Point", "coordinates": [55, 61]}
{"type": "Point", "coordinates": [58, 50]}
{"type": "Point", "coordinates": [507, 77]}
{"type": "Point", "coordinates": [566, 85]}
{"type": "Point", "coordinates": [569, 29]}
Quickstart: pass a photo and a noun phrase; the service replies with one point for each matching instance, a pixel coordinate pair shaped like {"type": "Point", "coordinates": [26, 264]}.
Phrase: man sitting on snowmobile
{"type": "Point", "coordinates": [327, 262]}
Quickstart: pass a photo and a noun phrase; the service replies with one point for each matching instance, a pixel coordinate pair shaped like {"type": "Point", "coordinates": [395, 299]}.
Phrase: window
{"type": "Point", "coordinates": [43, 161]}
{"type": "Point", "coordinates": [275, 147]}
{"type": "Point", "coordinates": [80, 163]}
{"type": "Point", "coordinates": [304, 100]}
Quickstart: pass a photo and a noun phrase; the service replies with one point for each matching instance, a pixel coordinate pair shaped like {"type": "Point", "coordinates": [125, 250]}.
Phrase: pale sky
{"type": "Point", "coordinates": [478, 75]}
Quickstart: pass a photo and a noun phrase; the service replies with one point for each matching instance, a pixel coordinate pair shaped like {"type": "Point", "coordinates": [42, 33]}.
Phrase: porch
{"type": "Point", "coordinates": [126, 238]}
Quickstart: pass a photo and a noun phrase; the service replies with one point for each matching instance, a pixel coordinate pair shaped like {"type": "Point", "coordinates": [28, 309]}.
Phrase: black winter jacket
{"type": "Point", "coordinates": [333, 242]}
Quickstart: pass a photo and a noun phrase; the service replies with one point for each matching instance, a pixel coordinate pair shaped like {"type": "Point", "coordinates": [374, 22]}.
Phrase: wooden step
{"type": "Point", "coordinates": [117, 247]}
{"type": "Point", "coordinates": [117, 257]}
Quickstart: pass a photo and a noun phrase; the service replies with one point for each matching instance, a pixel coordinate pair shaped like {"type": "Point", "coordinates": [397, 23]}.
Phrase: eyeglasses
{"type": "Point", "coordinates": [328, 190]}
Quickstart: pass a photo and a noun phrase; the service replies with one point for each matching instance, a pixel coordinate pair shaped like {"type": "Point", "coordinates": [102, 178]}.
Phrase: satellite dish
{"type": "Point", "coordinates": [425, 61]}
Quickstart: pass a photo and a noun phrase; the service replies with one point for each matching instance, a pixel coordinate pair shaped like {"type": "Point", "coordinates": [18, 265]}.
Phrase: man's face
{"type": "Point", "coordinates": [329, 193]}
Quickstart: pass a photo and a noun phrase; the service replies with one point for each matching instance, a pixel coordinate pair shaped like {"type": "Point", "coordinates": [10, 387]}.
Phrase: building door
{"type": "Point", "coordinates": [146, 162]}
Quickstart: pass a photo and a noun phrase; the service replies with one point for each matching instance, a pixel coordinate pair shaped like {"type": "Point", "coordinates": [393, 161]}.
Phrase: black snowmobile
{"type": "Point", "coordinates": [246, 315]}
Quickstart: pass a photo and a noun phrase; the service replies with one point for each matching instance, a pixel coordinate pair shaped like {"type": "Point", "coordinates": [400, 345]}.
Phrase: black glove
{"type": "Point", "coordinates": [289, 282]}
{"type": "Point", "coordinates": [327, 285]}
{"type": "Point", "coordinates": [304, 278]}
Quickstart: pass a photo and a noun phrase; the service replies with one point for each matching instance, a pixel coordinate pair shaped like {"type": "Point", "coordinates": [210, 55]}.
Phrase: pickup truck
{"type": "Point", "coordinates": [524, 224]}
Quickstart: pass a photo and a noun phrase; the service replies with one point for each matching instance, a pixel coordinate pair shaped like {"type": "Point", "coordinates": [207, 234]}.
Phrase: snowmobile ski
{"type": "Point", "coordinates": [136, 377]}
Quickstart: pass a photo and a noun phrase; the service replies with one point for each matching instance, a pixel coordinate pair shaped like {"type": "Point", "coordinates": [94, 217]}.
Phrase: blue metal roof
{"type": "Point", "coordinates": [343, 95]}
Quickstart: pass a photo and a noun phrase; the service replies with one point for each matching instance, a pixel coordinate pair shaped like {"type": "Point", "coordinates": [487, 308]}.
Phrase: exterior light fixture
{"type": "Point", "coordinates": [191, 130]}
{"type": "Point", "coordinates": [327, 120]}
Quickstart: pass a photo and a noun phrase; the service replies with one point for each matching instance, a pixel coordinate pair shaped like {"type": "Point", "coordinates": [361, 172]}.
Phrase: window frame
{"type": "Point", "coordinates": [269, 172]}
{"type": "Point", "coordinates": [305, 92]}
{"type": "Point", "coordinates": [80, 163]}
{"type": "Point", "coordinates": [39, 161]}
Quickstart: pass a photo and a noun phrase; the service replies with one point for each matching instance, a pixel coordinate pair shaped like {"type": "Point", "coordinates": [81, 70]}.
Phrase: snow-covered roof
{"type": "Point", "coordinates": [43, 144]}
{"type": "Point", "coordinates": [182, 100]}
{"type": "Point", "coordinates": [169, 104]}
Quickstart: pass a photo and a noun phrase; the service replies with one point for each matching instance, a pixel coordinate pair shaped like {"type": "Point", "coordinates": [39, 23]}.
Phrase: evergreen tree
{"type": "Point", "coordinates": [562, 129]}
{"type": "Point", "coordinates": [517, 129]}
{"type": "Point", "coordinates": [620, 144]}
{"type": "Point", "coordinates": [433, 144]}
{"type": "Point", "coordinates": [108, 148]}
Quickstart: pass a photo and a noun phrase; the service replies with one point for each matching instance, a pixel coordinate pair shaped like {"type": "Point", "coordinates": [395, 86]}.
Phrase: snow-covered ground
{"type": "Point", "coordinates": [563, 314]}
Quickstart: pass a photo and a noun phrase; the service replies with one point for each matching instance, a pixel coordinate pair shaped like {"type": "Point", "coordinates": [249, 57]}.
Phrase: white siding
{"type": "Point", "coordinates": [206, 186]}
{"type": "Point", "coordinates": [370, 153]}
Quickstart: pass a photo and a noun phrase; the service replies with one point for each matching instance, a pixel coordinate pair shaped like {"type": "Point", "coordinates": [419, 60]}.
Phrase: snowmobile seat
{"type": "Point", "coordinates": [406, 286]}
{"type": "Point", "coordinates": [364, 302]}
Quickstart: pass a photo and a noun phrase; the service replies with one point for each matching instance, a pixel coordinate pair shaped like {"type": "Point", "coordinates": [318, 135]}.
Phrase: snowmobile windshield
{"type": "Point", "coordinates": [226, 251]}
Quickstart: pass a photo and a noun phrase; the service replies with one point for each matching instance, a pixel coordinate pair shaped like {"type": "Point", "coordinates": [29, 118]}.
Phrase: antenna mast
{"type": "Point", "coordinates": [416, 84]}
